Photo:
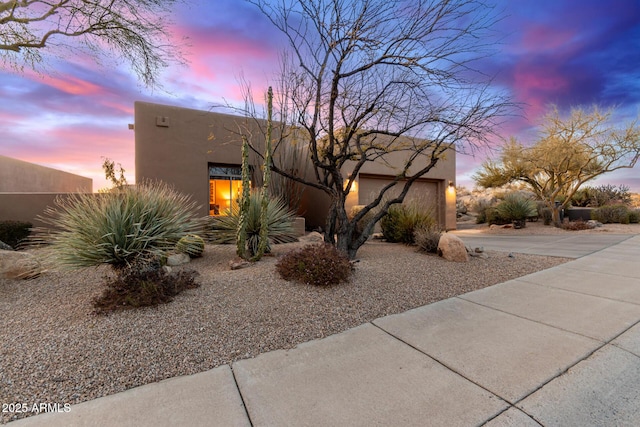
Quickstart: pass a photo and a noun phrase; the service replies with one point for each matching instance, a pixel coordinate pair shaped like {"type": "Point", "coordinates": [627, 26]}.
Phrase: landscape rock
{"type": "Point", "coordinates": [19, 265]}
{"type": "Point", "coordinates": [237, 264]}
{"type": "Point", "coordinates": [451, 248]}
{"type": "Point", "coordinates": [5, 247]}
{"type": "Point", "coordinates": [312, 237]}
{"type": "Point", "coordinates": [592, 223]}
{"type": "Point", "coordinates": [178, 259]}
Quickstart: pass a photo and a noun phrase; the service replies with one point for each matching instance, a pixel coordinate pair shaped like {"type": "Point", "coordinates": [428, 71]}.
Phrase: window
{"type": "Point", "coordinates": [225, 186]}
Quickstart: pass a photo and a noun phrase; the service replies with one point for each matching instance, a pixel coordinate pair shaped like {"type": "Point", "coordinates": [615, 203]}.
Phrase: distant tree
{"type": "Point", "coordinates": [386, 81]}
{"type": "Point", "coordinates": [134, 30]}
{"type": "Point", "coordinates": [571, 150]}
{"type": "Point", "coordinates": [113, 175]}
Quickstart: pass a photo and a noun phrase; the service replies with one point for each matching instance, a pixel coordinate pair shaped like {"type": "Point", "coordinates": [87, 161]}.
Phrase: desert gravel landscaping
{"type": "Point", "coordinates": [53, 349]}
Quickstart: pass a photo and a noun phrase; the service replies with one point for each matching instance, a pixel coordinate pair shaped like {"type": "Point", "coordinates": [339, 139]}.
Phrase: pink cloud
{"type": "Point", "coordinates": [68, 84]}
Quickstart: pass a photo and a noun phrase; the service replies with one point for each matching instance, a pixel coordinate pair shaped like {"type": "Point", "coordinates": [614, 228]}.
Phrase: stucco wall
{"type": "Point", "coordinates": [17, 176]}
{"type": "Point", "coordinates": [26, 206]}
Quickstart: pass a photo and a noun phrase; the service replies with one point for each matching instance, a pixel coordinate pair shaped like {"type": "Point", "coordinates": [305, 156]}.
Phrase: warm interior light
{"type": "Point", "coordinates": [354, 186]}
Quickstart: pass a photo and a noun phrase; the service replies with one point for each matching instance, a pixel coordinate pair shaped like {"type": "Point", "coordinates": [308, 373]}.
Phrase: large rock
{"type": "Point", "coordinates": [451, 248]}
{"type": "Point", "coordinates": [19, 265]}
{"type": "Point", "coordinates": [313, 237]}
{"type": "Point", "coordinates": [178, 259]}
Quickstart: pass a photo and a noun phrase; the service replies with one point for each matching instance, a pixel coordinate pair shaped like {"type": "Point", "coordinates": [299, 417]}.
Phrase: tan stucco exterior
{"type": "Point", "coordinates": [176, 145]}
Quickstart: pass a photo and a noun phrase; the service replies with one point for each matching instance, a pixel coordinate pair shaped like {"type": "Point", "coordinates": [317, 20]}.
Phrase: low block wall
{"type": "Point", "coordinates": [26, 206]}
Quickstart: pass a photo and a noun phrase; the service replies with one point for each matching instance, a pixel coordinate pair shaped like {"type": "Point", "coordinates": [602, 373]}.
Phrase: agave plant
{"type": "Point", "coordinates": [118, 227]}
{"type": "Point", "coordinates": [279, 219]}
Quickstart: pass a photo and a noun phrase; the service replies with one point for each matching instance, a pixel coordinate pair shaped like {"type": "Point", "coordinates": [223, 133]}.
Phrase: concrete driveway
{"type": "Point", "coordinates": [561, 245]}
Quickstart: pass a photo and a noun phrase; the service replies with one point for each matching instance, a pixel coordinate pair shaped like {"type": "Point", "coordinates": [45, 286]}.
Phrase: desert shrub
{"type": "Point", "coordinates": [601, 196]}
{"type": "Point", "coordinates": [14, 232]}
{"type": "Point", "coordinates": [634, 216]}
{"type": "Point", "coordinates": [480, 208]}
{"type": "Point", "coordinates": [143, 283]}
{"type": "Point", "coordinates": [576, 225]}
{"type": "Point", "coordinates": [515, 207]}
{"type": "Point", "coordinates": [493, 216]}
{"type": "Point", "coordinates": [320, 265]}
{"type": "Point", "coordinates": [547, 216]}
{"type": "Point", "coordinates": [280, 224]}
{"type": "Point", "coordinates": [117, 227]}
{"type": "Point", "coordinates": [401, 221]}
{"type": "Point", "coordinates": [611, 214]}
{"type": "Point", "coordinates": [427, 237]}
{"type": "Point", "coordinates": [192, 245]}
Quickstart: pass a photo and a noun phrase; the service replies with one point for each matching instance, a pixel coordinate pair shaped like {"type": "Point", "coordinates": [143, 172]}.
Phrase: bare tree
{"type": "Point", "coordinates": [377, 81]}
{"type": "Point", "coordinates": [136, 30]}
{"type": "Point", "coordinates": [571, 150]}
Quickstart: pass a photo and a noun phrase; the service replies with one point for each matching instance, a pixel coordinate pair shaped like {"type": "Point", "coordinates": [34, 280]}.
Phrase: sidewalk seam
{"type": "Point", "coordinates": [244, 404]}
{"type": "Point", "coordinates": [445, 366]}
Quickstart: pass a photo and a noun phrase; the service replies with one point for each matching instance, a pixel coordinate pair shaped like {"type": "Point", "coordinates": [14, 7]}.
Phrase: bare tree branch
{"type": "Point", "coordinates": [133, 30]}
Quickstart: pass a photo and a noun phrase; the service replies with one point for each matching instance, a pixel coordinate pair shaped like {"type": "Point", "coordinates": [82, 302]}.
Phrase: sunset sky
{"type": "Point", "coordinates": [571, 52]}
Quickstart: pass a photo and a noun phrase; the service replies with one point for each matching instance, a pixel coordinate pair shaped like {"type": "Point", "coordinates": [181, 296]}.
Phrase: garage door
{"type": "Point", "coordinates": [423, 191]}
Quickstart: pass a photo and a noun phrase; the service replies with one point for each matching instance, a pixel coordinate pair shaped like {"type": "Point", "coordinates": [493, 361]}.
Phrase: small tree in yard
{"type": "Point", "coordinates": [385, 81]}
{"type": "Point", "coordinates": [571, 151]}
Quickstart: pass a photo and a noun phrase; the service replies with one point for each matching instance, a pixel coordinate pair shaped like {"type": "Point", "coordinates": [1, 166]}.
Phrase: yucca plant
{"type": "Point", "coordinates": [517, 208]}
{"type": "Point", "coordinates": [279, 223]}
{"type": "Point", "coordinates": [118, 227]}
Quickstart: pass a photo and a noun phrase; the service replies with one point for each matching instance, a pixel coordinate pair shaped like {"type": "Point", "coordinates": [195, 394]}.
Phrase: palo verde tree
{"type": "Point", "coordinates": [133, 30]}
{"type": "Point", "coordinates": [571, 150]}
{"type": "Point", "coordinates": [379, 81]}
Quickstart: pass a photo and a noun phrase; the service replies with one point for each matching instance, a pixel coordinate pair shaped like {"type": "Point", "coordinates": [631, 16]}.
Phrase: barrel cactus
{"type": "Point", "coordinates": [192, 245]}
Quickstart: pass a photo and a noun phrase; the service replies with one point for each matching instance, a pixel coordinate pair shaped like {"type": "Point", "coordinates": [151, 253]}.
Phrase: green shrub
{"type": "Point", "coordinates": [192, 245]}
{"type": "Point", "coordinates": [494, 217]}
{"type": "Point", "coordinates": [547, 216]}
{"type": "Point", "coordinates": [118, 227]}
{"type": "Point", "coordinates": [603, 195]}
{"type": "Point", "coordinates": [515, 207]}
{"type": "Point", "coordinates": [480, 208]}
{"type": "Point", "coordinates": [634, 216]}
{"type": "Point", "coordinates": [14, 232]}
{"type": "Point", "coordinates": [427, 238]}
{"type": "Point", "coordinates": [319, 264]}
{"type": "Point", "coordinates": [401, 222]}
{"type": "Point", "coordinates": [143, 283]}
{"type": "Point", "coordinates": [280, 224]}
{"type": "Point", "coordinates": [611, 214]}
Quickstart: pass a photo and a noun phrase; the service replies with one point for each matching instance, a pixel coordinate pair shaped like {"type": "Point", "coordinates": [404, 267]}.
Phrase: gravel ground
{"type": "Point", "coordinates": [54, 350]}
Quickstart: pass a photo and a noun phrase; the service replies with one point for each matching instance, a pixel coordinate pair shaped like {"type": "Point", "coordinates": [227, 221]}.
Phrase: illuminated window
{"type": "Point", "coordinates": [225, 186]}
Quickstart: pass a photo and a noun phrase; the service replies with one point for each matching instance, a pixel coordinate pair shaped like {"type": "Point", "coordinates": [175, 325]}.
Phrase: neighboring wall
{"type": "Point", "coordinates": [26, 206]}
{"type": "Point", "coordinates": [27, 189]}
{"type": "Point", "coordinates": [17, 176]}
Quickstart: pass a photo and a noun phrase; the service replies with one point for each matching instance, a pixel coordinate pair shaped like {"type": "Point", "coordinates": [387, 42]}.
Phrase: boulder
{"type": "Point", "coordinates": [451, 248]}
{"type": "Point", "coordinates": [19, 265]}
{"type": "Point", "coordinates": [178, 259]}
{"type": "Point", "coordinates": [312, 237]}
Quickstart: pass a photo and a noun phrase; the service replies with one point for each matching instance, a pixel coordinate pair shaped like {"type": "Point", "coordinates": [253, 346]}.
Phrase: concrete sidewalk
{"type": "Point", "coordinates": [560, 347]}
